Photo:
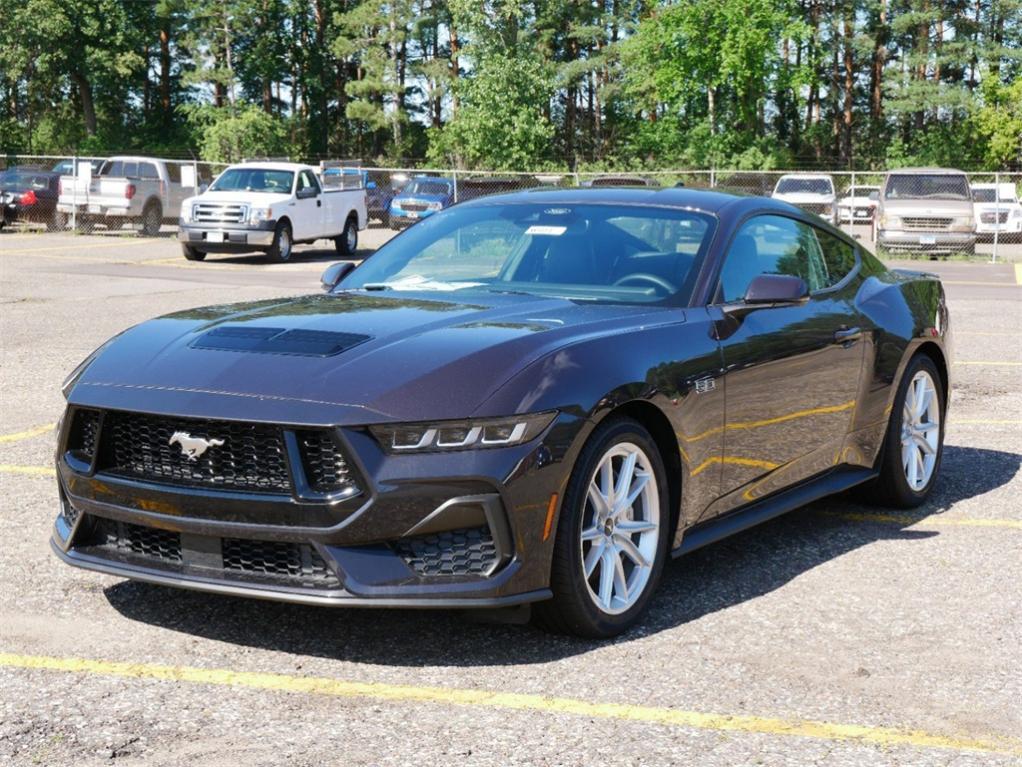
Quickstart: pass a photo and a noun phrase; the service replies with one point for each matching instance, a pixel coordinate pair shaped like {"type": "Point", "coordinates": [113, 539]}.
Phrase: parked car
{"type": "Point", "coordinates": [535, 398]}
{"type": "Point", "coordinates": [996, 209]}
{"type": "Point", "coordinates": [143, 191]}
{"type": "Point", "coordinates": [812, 192]}
{"type": "Point", "coordinates": [67, 167]}
{"type": "Point", "coordinates": [618, 179]}
{"type": "Point", "coordinates": [471, 187]}
{"type": "Point", "coordinates": [267, 207]}
{"type": "Point", "coordinates": [746, 182]}
{"type": "Point", "coordinates": [378, 196]}
{"type": "Point", "coordinates": [420, 198]}
{"type": "Point", "coordinates": [859, 205]}
{"type": "Point", "coordinates": [31, 196]}
{"type": "Point", "coordinates": [925, 210]}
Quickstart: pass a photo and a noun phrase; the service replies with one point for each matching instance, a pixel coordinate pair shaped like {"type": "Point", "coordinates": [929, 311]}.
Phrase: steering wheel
{"type": "Point", "coordinates": [659, 282]}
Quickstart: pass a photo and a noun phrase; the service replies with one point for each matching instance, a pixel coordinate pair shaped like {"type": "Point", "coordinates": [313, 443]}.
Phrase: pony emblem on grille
{"type": "Point", "coordinates": [193, 447]}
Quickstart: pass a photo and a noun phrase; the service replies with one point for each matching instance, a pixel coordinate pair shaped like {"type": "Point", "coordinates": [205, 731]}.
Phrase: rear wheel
{"type": "Point", "coordinates": [152, 219]}
{"type": "Point", "coordinates": [915, 439]}
{"type": "Point", "coordinates": [192, 254]}
{"type": "Point", "coordinates": [611, 535]}
{"type": "Point", "coordinates": [347, 243]}
{"type": "Point", "coordinates": [280, 249]}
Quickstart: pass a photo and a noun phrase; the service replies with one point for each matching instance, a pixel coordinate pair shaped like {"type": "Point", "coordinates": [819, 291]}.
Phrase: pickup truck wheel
{"type": "Point", "coordinates": [280, 250]}
{"type": "Point", "coordinates": [57, 222]}
{"type": "Point", "coordinates": [192, 254]}
{"type": "Point", "coordinates": [347, 243]}
{"type": "Point", "coordinates": [152, 219]}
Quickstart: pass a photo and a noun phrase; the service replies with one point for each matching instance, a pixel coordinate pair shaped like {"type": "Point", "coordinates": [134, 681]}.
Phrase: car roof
{"type": "Point", "coordinates": [806, 175]}
{"type": "Point", "coordinates": [926, 171]}
{"type": "Point", "coordinates": [270, 165]}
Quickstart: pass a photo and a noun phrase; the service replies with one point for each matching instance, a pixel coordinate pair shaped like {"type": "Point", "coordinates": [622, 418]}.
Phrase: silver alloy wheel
{"type": "Point", "coordinates": [284, 243]}
{"type": "Point", "coordinates": [920, 431]}
{"type": "Point", "coordinates": [351, 237]}
{"type": "Point", "coordinates": [620, 528]}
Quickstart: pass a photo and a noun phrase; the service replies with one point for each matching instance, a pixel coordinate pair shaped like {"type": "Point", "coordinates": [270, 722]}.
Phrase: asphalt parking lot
{"type": "Point", "coordinates": [839, 634]}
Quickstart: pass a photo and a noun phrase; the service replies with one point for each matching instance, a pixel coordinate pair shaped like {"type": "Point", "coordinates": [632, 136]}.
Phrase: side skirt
{"type": "Point", "coordinates": [719, 528]}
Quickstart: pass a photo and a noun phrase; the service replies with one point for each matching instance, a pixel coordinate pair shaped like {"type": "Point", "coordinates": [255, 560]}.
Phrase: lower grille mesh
{"type": "Point", "coordinates": [161, 545]}
{"type": "Point", "coordinates": [470, 551]}
{"type": "Point", "coordinates": [288, 560]}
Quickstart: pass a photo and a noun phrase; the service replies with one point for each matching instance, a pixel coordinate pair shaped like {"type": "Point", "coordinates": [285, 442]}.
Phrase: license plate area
{"type": "Point", "coordinates": [927, 239]}
{"type": "Point", "coordinates": [214, 236]}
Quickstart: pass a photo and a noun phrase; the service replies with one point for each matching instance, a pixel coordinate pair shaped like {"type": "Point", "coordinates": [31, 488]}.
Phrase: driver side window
{"type": "Point", "coordinates": [306, 181]}
{"type": "Point", "coordinates": [772, 245]}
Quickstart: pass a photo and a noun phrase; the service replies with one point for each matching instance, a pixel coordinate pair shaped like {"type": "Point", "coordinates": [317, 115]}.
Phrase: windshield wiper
{"type": "Point", "coordinates": [376, 286]}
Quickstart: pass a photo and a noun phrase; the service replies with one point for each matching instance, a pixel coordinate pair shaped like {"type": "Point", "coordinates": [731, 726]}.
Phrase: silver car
{"type": "Point", "coordinates": [926, 210]}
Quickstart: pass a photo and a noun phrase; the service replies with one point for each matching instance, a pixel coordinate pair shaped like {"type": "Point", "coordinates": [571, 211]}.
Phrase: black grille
{"type": "Point", "coordinates": [69, 512]}
{"type": "Point", "coordinates": [83, 435]}
{"type": "Point", "coordinates": [237, 456]}
{"type": "Point", "coordinates": [325, 467]}
{"type": "Point", "coordinates": [418, 207]}
{"type": "Point", "coordinates": [127, 538]}
{"type": "Point", "coordinates": [285, 560]}
{"type": "Point", "coordinates": [470, 551]}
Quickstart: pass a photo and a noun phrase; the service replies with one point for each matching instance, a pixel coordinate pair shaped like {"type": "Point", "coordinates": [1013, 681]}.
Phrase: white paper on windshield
{"type": "Point", "coordinates": [83, 175]}
{"type": "Point", "coordinates": [552, 231]}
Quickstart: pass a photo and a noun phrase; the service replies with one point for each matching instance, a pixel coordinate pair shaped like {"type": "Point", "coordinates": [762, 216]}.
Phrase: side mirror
{"type": "Point", "coordinates": [334, 273]}
{"type": "Point", "coordinates": [776, 289]}
{"type": "Point", "coordinates": [305, 194]}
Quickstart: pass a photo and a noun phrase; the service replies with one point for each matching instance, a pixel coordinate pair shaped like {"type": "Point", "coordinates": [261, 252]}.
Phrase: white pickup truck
{"type": "Point", "coordinates": [268, 207]}
{"type": "Point", "coordinates": [141, 190]}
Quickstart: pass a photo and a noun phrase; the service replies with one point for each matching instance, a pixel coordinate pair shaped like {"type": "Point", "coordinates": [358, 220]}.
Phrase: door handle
{"type": "Point", "coordinates": [319, 203]}
{"type": "Point", "coordinates": [847, 336]}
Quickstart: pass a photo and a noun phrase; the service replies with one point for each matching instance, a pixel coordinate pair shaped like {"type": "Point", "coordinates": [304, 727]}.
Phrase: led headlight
{"type": "Point", "coordinates": [461, 435]}
{"type": "Point", "coordinates": [890, 222]}
{"type": "Point", "coordinates": [258, 215]}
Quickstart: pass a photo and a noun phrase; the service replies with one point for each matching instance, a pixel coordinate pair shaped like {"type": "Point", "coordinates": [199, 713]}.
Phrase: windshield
{"type": "Point", "coordinates": [917, 186]}
{"type": "Point", "coordinates": [23, 181]}
{"type": "Point", "coordinates": [804, 186]}
{"type": "Point", "coordinates": [588, 252]}
{"type": "Point", "coordinates": [426, 187]}
{"type": "Point", "coordinates": [254, 180]}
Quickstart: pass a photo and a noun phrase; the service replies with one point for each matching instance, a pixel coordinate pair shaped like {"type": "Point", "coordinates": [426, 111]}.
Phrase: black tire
{"type": "Point", "coordinates": [347, 243]}
{"type": "Point", "coordinates": [283, 244]}
{"type": "Point", "coordinates": [572, 610]}
{"type": "Point", "coordinates": [56, 221]}
{"type": "Point", "coordinates": [152, 219]}
{"type": "Point", "coordinates": [891, 487]}
{"type": "Point", "coordinates": [191, 253]}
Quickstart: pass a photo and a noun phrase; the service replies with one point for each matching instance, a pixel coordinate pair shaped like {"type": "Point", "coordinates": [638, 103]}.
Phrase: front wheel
{"type": "Point", "coordinates": [612, 535]}
{"type": "Point", "coordinates": [280, 249]}
{"type": "Point", "coordinates": [915, 439]}
{"type": "Point", "coordinates": [191, 253]}
{"type": "Point", "coordinates": [347, 243]}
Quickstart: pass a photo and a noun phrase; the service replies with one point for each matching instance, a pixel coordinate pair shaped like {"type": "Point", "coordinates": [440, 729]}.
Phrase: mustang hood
{"type": "Point", "coordinates": [348, 357]}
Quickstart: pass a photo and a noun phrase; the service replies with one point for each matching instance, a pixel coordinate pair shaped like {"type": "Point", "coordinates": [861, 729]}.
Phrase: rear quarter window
{"type": "Point", "coordinates": [147, 170]}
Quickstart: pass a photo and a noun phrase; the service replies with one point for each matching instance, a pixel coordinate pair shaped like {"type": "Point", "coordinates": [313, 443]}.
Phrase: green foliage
{"type": "Point", "coordinates": [501, 123]}
{"type": "Point", "coordinates": [229, 136]}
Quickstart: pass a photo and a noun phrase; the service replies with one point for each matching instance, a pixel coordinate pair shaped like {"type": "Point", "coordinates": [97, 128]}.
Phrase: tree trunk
{"type": "Point", "coordinates": [88, 107]}
{"type": "Point", "coordinates": [455, 66]}
{"type": "Point", "coordinates": [165, 69]}
{"type": "Point", "coordinates": [876, 76]}
{"type": "Point", "coordinates": [849, 23]}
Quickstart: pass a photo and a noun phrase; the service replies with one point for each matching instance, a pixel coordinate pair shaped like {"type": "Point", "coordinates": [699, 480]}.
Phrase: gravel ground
{"type": "Point", "coordinates": [833, 613]}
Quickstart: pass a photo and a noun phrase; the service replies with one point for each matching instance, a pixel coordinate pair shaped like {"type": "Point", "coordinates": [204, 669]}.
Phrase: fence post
{"type": "Point", "coordinates": [74, 194]}
{"type": "Point", "coordinates": [713, 178]}
{"type": "Point", "coordinates": [454, 175]}
{"type": "Point", "coordinates": [997, 213]}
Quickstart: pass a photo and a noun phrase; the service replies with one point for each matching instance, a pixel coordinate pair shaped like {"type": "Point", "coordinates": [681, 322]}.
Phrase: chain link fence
{"type": "Point", "coordinates": [895, 212]}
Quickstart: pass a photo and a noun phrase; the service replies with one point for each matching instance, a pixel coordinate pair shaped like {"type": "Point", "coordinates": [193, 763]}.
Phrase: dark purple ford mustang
{"type": "Point", "coordinates": [527, 398]}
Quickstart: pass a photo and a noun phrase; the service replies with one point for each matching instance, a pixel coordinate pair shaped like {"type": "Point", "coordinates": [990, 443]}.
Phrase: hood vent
{"type": "Point", "coordinates": [308, 343]}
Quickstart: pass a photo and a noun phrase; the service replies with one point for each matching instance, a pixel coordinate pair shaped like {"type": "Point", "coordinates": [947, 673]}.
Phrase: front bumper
{"type": "Point", "coordinates": [233, 238]}
{"type": "Point", "coordinates": [926, 242]}
{"type": "Point", "coordinates": [408, 217]}
{"type": "Point", "coordinates": [462, 529]}
{"type": "Point", "coordinates": [99, 209]}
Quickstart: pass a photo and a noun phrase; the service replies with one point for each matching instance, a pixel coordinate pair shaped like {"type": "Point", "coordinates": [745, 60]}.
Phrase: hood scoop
{"type": "Point", "coordinates": [306, 343]}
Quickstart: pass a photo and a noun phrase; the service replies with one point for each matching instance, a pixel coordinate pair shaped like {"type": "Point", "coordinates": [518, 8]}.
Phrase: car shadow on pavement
{"type": "Point", "coordinates": [714, 578]}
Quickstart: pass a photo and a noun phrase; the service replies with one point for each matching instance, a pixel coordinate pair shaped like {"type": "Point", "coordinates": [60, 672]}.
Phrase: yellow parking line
{"type": "Point", "coordinates": [27, 434]}
{"type": "Point", "coordinates": [507, 701]}
{"type": "Point", "coordinates": [71, 247]}
{"type": "Point", "coordinates": [912, 519]}
{"type": "Point", "coordinates": [35, 471]}
{"type": "Point", "coordinates": [1018, 273]}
